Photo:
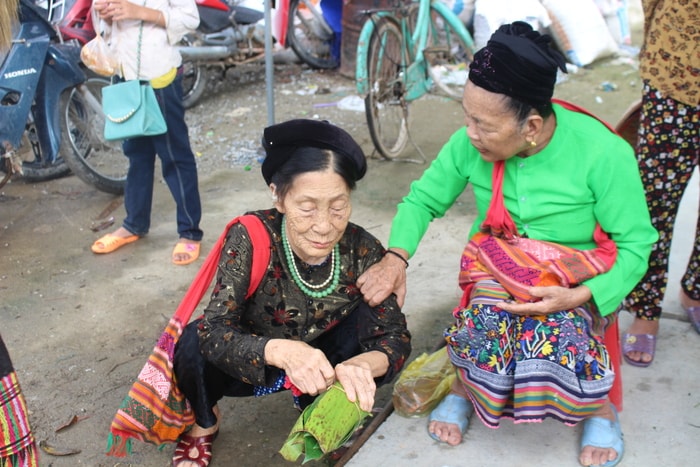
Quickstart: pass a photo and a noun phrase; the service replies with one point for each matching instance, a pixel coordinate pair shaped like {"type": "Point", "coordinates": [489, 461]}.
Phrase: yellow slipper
{"type": "Point", "coordinates": [186, 248]}
{"type": "Point", "coordinates": [110, 242]}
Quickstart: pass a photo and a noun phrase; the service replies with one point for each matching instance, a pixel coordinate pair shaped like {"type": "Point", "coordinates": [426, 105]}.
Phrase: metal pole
{"type": "Point", "coordinates": [269, 66]}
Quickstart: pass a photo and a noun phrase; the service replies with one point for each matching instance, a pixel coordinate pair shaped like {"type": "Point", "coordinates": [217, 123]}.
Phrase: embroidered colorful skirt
{"type": "Point", "coordinates": [17, 446]}
{"type": "Point", "coordinates": [528, 368]}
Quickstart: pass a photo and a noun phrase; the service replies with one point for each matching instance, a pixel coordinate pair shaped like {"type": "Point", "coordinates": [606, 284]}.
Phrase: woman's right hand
{"type": "Point", "coordinates": [307, 368]}
{"type": "Point", "coordinates": [383, 278]}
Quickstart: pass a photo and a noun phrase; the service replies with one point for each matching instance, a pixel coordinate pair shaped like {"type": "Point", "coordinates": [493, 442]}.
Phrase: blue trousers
{"type": "Point", "coordinates": [178, 167]}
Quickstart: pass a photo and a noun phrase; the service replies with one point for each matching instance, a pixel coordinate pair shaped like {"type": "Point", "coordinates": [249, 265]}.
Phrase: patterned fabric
{"type": "Point", "coordinates": [668, 151]}
{"type": "Point", "coordinates": [155, 409]}
{"type": "Point", "coordinates": [517, 263]}
{"type": "Point", "coordinates": [529, 368]}
{"type": "Point", "coordinates": [521, 263]}
{"type": "Point", "coordinates": [17, 444]}
{"type": "Point", "coordinates": [283, 382]}
{"type": "Point", "coordinates": [670, 56]}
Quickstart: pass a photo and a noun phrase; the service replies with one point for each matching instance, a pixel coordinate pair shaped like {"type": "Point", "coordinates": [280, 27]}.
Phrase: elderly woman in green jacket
{"type": "Point", "coordinates": [564, 178]}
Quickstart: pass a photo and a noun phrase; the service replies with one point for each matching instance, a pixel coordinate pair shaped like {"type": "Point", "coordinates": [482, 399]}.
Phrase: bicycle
{"type": "Point", "coordinates": [404, 52]}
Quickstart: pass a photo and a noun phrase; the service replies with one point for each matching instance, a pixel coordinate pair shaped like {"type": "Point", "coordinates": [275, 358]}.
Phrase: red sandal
{"type": "Point", "coordinates": [201, 443]}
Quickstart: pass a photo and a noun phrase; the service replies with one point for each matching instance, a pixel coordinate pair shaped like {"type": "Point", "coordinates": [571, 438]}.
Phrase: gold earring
{"type": "Point", "coordinates": [533, 143]}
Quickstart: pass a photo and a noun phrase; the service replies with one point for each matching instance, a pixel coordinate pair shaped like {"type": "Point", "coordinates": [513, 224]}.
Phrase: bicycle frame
{"type": "Point", "coordinates": [417, 80]}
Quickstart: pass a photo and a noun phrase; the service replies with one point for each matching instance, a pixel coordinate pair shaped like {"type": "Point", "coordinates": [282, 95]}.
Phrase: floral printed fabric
{"type": "Point", "coordinates": [667, 154]}
{"type": "Point", "coordinates": [530, 367]}
{"type": "Point", "coordinates": [670, 59]}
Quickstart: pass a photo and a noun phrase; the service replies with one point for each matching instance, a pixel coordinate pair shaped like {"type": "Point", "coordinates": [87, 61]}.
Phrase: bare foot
{"type": "Point", "coordinates": [449, 432]}
{"type": "Point", "coordinates": [197, 431]}
{"type": "Point", "coordinates": [592, 455]}
{"type": "Point", "coordinates": [642, 326]}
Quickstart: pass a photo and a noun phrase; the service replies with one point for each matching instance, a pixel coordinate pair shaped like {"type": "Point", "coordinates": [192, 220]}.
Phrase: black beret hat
{"type": "Point", "coordinates": [281, 141]}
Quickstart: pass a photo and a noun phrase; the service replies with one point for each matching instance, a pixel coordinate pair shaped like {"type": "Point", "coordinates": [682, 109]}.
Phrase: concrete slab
{"type": "Point", "coordinates": [661, 407]}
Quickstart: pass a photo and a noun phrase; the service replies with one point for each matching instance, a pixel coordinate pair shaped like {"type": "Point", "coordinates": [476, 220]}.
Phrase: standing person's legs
{"type": "Point", "coordinates": [180, 172]}
{"type": "Point", "coordinates": [666, 158]}
{"type": "Point", "coordinates": [138, 196]}
{"type": "Point", "coordinates": [138, 192]}
{"type": "Point", "coordinates": [690, 282]}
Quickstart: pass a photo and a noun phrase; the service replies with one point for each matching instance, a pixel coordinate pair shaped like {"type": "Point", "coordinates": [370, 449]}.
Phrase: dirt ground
{"type": "Point", "coordinates": [80, 326]}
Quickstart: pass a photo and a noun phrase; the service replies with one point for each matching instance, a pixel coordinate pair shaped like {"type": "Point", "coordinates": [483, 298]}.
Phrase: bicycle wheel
{"type": "Point", "coordinates": [447, 56]}
{"type": "Point", "coordinates": [309, 35]}
{"type": "Point", "coordinates": [93, 159]}
{"type": "Point", "coordinates": [385, 106]}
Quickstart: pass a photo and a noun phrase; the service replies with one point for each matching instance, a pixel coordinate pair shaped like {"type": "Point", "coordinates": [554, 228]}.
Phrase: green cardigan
{"type": "Point", "coordinates": [586, 174]}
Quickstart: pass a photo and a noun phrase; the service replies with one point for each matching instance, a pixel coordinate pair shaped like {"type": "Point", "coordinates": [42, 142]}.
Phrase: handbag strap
{"type": "Point", "coordinates": [259, 238]}
{"type": "Point", "coordinates": [138, 48]}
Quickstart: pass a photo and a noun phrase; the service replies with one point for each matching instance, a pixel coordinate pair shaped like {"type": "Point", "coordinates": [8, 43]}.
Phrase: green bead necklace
{"type": "Point", "coordinates": [311, 289]}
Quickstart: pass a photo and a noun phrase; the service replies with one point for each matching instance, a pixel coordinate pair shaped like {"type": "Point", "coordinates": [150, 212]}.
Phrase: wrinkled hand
{"type": "Point", "coordinates": [307, 368]}
{"type": "Point", "coordinates": [356, 378]}
{"type": "Point", "coordinates": [383, 278]}
{"type": "Point", "coordinates": [554, 298]}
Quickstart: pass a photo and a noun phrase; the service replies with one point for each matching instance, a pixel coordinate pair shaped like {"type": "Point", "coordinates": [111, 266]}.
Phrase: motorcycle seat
{"type": "Point", "coordinates": [245, 15]}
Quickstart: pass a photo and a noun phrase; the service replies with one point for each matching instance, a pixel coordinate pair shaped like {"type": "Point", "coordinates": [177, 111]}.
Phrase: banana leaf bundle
{"type": "Point", "coordinates": [323, 426]}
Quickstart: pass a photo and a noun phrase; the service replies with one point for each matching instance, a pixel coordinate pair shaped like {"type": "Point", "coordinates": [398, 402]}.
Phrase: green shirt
{"type": "Point", "coordinates": [586, 174]}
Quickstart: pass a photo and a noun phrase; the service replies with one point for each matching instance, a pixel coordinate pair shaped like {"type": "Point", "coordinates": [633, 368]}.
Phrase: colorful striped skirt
{"type": "Point", "coordinates": [528, 368]}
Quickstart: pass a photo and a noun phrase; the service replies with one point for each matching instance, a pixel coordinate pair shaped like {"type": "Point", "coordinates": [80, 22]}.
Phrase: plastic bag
{"type": "Point", "coordinates": [423, 384]}
{"type": "Point", "coordinates": [96, 54]}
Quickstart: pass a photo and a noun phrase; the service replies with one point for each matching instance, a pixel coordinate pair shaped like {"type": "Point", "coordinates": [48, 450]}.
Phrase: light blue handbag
{"type": "Point", "coordinates": [131, 108]}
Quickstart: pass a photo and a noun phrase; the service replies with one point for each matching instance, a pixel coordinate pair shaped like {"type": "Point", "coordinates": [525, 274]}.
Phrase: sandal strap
{"type": "Point", "coordinates": [639, 343]}
{"type": "Point", "coordinates": [187, 443]}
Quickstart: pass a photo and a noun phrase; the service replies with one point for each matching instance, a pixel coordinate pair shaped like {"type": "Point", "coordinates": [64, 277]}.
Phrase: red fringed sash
{"type": "Point", "coordinates": [155, 410]}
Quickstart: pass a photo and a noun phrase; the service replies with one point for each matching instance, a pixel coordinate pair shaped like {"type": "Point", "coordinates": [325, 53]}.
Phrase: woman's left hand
{"type": "Point", "coordinates": [554, 298]}
{"type": "Point", "coordinates": [356, 377]}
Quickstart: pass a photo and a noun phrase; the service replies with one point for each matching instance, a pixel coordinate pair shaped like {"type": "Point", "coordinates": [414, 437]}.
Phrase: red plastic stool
{"type": "Point", "coordinates": [627, 128]}
{"type": "Point", "coordinates": [612, 343]}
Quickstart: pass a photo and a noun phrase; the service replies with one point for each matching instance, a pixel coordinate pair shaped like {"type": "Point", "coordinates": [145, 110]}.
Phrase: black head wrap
{"type": "Point", "coordinates": [518, 62]}
{"type": "Point", "coordinates": [282, 140]}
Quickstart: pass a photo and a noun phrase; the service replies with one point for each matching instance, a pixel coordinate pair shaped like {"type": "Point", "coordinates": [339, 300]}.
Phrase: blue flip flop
{"type": "Point", "coordinates": [453, 409]}
{"type": "Point", "coordinates": [602, 433]}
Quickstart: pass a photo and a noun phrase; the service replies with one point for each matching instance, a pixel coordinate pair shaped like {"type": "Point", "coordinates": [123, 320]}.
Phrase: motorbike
{"type": "Point", "coordinates": [51, 120]}
{"type": "Point", "coordinates": [76, 22]}
{"type": "Point", "coordinates": [34, 74]}
{"type": "Point", "coordinates": [231, 35]}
